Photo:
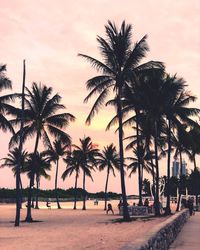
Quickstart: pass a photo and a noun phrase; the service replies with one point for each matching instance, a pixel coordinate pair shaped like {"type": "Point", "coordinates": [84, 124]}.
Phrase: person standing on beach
{"type": "Point", "coordinates": [110, 208]}
{"type": "Point", "coordinates": [191, 206]}
{"type": "Point", "coordinates": [119, 205]}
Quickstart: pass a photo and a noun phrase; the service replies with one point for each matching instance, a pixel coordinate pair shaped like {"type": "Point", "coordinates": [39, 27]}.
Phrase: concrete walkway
{"type": "Point", "coordinates": [189, 237]}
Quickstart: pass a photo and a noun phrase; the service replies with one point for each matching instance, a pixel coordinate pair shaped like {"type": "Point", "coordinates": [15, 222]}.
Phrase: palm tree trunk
{"type": "Point", "coordinates": [195, 164]}
{"type": "Point", "coordinates": [84, 206]}
{"type": "Point", "coordinates": [139, 160]}
{"type": "Point", "coordinates": [126, 215]}
{"type": "Point", "coordinates": [168, 209]}
{"type": "Point", "coordinates": [36, 195]}
{"type": "Point", "coordinates": [56, 183]}
{"type": "Point", "coordinates": [153, 176]}
{"type": "Point", "coordinates": [30, 191]}
{"type": "Point", "coordinates": [21, 188]}
{"type": "Point", "coordinates": [156, 202]}
{"type": "Point", "coordinates": [106, 187]}
{"type": "Point", "coordinates": [180, 186]}
{"type": "Point", "coordinates": [195, 168]}
{"type": "Point", "coordinates": [75, 190]}
{"type": "Point", "coordinates": [18, 191]}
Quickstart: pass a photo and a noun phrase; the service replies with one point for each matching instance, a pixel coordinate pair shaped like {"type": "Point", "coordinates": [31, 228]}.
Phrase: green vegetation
{"type": "Point", "coordinates": [63, 194]}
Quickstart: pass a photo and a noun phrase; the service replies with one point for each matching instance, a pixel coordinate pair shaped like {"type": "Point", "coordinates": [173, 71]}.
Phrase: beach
{"type": "Point", "coordinates": [70, 229]}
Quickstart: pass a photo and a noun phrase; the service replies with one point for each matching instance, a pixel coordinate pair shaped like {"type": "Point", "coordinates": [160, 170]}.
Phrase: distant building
{"type": "Point", "coordinates": [184, 168]}
{"type": "Point", "coordinates": [176, 168]}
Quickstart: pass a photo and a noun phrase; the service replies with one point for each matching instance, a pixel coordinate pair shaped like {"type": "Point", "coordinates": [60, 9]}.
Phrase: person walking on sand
{"type": "Point", "coordinates": [110, 208]}
{"type": "Point", "coordinates": [119, 205]}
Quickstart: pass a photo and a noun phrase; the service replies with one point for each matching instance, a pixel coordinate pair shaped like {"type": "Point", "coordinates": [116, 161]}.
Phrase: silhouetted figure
{"type": "Point", "coordinates": [146, 202]}
{"type": "Point", "coordinates": [119, 205]}
{"type": "Point", "coordinates": [160, 207]}
{"type": "Point", "coordinates": [32, 204]}
{"type": "Point", "coordinates": [191, 206]}
{"type": "Point", "coordinates": [184, 203]}
{"type": "Point", "coordinates": [48, 204]}
{"type": "Point", "coordinates": [109, 208]}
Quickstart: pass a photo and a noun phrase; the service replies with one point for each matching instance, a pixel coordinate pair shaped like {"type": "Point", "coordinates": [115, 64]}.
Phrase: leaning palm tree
{"type": "Point", "coordinates": [40, 163]}
{"type": "Point", "coordinates": [119, 66]}
{"type": "Point", "coordinates": [109, 160]}
{"type": "Point", "coordinates": [88, 156]}
{"type": "Point", "coordinates": [41, 121]}
{"type": "Point", "coordinates": [58, 150]}
{"type": "Point", "coordinates": [73, 161]}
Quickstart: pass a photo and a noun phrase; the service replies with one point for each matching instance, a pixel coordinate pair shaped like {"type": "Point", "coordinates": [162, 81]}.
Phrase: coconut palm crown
{"type": "Point", "coordinates": [41, 120]}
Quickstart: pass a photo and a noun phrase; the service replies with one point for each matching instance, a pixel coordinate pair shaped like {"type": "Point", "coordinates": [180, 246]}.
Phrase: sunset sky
{"type": "Point", "coordinates": [50, 34]}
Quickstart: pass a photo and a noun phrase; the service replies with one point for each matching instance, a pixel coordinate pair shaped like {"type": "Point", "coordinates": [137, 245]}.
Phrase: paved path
{"type": "Point", "coordinates": [189, 237]}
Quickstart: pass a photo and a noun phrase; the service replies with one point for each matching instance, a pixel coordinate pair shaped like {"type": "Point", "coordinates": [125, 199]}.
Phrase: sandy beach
{"type": "Point", "coordinates": [70, 229]}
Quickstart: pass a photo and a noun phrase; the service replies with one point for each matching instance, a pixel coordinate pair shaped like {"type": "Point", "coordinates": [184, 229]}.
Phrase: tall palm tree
{"type": "Point", "coordinates": [88, 154]}
{"type": "Point", "coordinates": [73, 161]}
{"type": "Point", "coordinates": [120, 63]}
{"type": "Point", "coordinates": [58, 150]}
{"type": "Point", "coordinates": [18, 179]}
{"type": "Point", "coordinates": [109, 160]}
{"type": "Point", "coordinates": [40, 163]}
{"type": "Point", "coordinates": [41, 121]}
{"type": "Point", "coordinates": [175, 107]}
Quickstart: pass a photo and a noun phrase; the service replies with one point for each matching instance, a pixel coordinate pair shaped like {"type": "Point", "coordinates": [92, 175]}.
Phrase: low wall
{"type": "Point", "coordinates": [162, 235]}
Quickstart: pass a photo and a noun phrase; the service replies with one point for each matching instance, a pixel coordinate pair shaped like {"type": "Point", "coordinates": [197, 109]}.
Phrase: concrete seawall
{"type": "Point", "coordinates": [161, 236]}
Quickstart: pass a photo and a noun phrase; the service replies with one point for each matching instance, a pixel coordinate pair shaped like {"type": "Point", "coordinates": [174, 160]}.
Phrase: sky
{"type": "Point", "coordinates": [49, 35]}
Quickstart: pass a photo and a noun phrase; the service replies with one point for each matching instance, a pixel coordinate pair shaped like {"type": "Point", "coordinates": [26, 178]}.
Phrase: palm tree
{"type": "Point", "coordinates": [120, 63]}
{"type": "Point", "coordinates": [109, 160]}
{"type": "Point", "coordinates": [40, 163]}
{"type": "Point", "coordinates": [73, 161]}
{"type": "Point", "coordinates": [5, 107]}
{"type": "Point", "coordinates": [146, 164]}
{"type": "Point", "coordinates": [58, 150]}
{"type": "Point", "coordinates": [181, 142]}
{"type": "Point", "coordinates": [161, 97]}
{"type": "Point", "coordinates": [41, 120]}
{"type": "Point", "coordinates": [194, 147]}
{"type": "Point", "coordinates": [175, 102]}
{"type": "Point", "coordinates": [194, 180]}
{"type": "Point", "coordinates": [5, 125]}
{"type": "Point", "coordinates": [14, 157]}
{"type": "Point", "coordinates": [18, 179]}
{"type": "Point", "coordinates": [88, 154]}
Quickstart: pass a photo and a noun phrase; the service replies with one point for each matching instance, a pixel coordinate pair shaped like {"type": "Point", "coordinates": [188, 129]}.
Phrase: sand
{"type": "Point", "coordinates": [70, 229]}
